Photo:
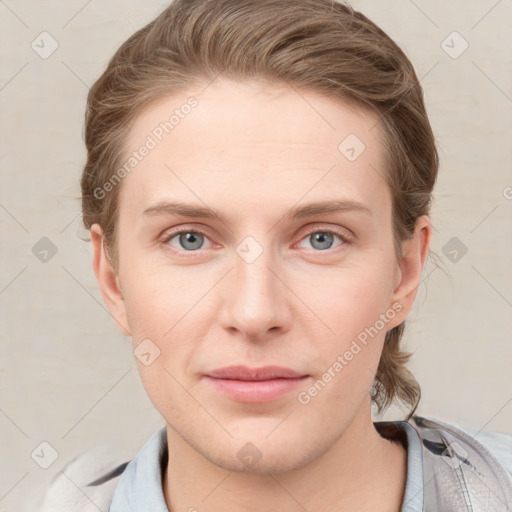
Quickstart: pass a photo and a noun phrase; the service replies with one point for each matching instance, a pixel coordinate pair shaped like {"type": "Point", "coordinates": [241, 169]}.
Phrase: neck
{"type": "Point", "coordinates": [360, 471]}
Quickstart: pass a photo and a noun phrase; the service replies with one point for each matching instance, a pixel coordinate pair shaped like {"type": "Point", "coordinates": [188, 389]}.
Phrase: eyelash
{"type": "Point", "coordinates": [345, 238]}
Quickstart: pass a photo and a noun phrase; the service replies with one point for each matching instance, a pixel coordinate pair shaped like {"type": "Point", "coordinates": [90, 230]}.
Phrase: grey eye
{"type": "Point", "coordinates": [190, 240]}
{"type": "Point", "coordinates": [321, 240]}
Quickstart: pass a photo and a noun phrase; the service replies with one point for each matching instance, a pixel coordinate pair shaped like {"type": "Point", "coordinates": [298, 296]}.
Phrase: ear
{"type": "Point", "coordinates": [108, 281]}
{"type": "Point", "coordinates": [410, 267]}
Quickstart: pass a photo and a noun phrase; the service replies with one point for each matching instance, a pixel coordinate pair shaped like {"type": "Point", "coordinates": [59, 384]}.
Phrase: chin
{"type": "Point", "coordinates": [271, 462]}
{"type": "Point", "coordinates": [264, 453]}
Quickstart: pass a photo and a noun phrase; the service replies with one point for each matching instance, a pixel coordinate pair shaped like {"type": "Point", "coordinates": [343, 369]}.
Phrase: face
{"type": "Point", "coordinates": [263, 282]}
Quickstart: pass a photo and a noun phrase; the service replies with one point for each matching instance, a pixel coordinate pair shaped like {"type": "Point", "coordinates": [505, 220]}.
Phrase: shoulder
{"type": "Point", "coordinates": [497, 443]}
{"type": "Point", "coordinates": [87, 483]}
{"type": "Point", "coordinates": [467, 467]}
{"type": "Point", "coordinates": [491, 445]}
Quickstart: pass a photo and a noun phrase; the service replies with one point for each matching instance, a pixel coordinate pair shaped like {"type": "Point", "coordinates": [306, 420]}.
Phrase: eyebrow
{"type": "Point", "coordinates": [297, 212]}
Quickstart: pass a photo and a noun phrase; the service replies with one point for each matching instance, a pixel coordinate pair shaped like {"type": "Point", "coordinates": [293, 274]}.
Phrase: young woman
{"type": "Point", "coordinates": [257, 190]}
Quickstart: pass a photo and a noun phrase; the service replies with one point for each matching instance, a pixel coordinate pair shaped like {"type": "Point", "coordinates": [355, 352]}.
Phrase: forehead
{"type": "Point", "coordinates": [250, 145]}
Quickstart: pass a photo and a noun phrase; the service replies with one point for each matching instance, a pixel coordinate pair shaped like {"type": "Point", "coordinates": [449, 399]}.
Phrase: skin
{"type": "Point", "coordinates": [253, 152]}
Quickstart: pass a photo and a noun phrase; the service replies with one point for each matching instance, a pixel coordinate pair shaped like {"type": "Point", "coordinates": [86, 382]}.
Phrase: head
{"type": "Point", "coordinates": [253, 110]}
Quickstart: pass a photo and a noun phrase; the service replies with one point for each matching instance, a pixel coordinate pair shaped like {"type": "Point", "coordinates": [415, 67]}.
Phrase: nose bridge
{"type": "Point", "coordinates": [252, 270]}
{"type": "Point", "coordinates": [255, 303]}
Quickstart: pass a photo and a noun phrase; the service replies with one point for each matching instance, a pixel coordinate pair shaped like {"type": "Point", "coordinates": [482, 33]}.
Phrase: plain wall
{"type": "Point", "coordinates": [68, 376]}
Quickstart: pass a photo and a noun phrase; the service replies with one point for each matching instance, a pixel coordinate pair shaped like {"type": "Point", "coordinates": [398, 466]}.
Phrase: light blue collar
{"type": "Point", "coordinates": [140, 486]}
{"type": "Point", "coordinates": [413, 496]}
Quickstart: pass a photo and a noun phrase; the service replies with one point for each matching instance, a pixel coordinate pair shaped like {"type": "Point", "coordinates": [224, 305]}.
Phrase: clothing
{"type": "Point", "coordinates": [450, 468]}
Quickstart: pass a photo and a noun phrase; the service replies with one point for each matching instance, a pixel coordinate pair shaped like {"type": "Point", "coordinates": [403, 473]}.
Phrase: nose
{"type": "Point", "coordinates": [257, 300]}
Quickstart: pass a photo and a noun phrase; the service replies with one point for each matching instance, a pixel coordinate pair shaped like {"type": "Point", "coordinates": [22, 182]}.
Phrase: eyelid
{"type": "Point", "coordinates": [169, 235]}
{"type": "Point", "coordinates": [344, 234]}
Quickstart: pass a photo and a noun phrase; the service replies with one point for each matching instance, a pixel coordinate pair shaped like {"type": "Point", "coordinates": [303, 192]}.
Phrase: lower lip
{"type": "Point", "coordinates": [256, 391]}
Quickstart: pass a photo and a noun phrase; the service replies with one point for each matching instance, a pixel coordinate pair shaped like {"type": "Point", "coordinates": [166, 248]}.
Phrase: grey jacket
{"type": "Point", "coordinates": [450, 468]}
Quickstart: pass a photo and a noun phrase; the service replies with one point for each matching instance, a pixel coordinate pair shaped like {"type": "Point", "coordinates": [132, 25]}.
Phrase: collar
{"type": "Point", "coordinates": [140, 486]}
{"type": "Point", "coordinates": [403, 432]}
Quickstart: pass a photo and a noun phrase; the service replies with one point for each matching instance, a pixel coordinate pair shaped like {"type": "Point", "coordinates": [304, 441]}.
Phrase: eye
{"type": "Point", "coordinates": [192, 240]}
{"type": "Point", "coordinates": [189, 239]}
{"type": "Point", "coordinates": [322, 239]}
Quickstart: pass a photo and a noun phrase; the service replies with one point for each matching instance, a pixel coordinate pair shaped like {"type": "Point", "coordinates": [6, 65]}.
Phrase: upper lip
{"type": "Point", "coordinates": [263, 373]}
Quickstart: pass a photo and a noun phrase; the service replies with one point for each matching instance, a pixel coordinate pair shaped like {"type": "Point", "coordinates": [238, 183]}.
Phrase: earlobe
{"type": "Point", "coordinates": [414, 254]}
{"type": "Point", "coordinates": [108, 281]}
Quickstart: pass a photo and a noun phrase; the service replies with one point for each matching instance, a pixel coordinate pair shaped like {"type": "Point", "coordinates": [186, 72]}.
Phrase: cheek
{"type": "Point", "coordinates": [166, 315]}
{"type": "Point", "coordinates": [349, 300]}
{"type": "Point", "coordinates": [357, 312]}
{"type": "Point", "coordinates": [355, 308]}
{"type": "Point", "coordinates": [155, 297]}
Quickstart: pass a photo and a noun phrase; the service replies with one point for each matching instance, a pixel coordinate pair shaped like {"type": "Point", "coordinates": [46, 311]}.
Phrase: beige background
{"type": "Point", "coordinates": [68, 376]}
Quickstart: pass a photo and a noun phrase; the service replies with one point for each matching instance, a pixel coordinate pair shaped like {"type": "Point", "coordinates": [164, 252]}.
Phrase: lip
{"type": "Point", "coordinates": [254, 385]}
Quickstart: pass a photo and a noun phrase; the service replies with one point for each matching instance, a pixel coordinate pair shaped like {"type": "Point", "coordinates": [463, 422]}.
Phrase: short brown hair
{"type": "Point", "coordinates": [323, 46]}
